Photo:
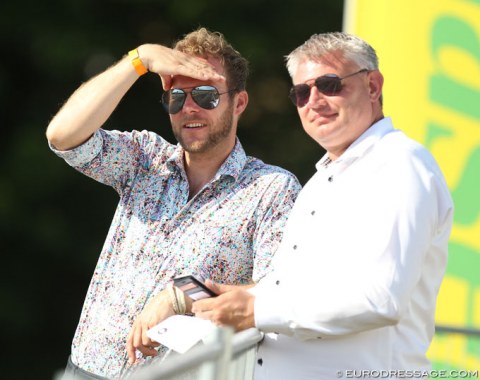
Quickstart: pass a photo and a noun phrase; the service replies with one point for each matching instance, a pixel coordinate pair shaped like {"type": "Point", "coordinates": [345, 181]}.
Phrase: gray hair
{"type": "Point", "coordinates": [352, 47]}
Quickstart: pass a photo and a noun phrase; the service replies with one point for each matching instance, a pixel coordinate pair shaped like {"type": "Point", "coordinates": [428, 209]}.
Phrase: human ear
{"type": "Point", "coordinates": [241, 103]}
{"type": "Point", "coordinates": [375, 83]}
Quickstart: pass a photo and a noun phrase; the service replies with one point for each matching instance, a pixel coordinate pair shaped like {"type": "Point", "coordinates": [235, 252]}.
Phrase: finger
{"type": "Point", "coordinates": [130, 348]}
{"type": "Point", "coordinates": [219, 288]}
{"type": "Point", "coordinates": [205, 315]}
{"type": "Point", "coordinates": [203, 305]}
{"type": "Point", "coordinates": [197, 63]}
{"type": "Point", "coordinates": [148, 351]}
{"type": "Point", "coordinates": [137, 337]}
{"type": "Point", "coordinates": [210, 314]}
{"type": "Point", "coordinates": [166, 82]}
{"type": "Point", "coordinates": [146, 341]}
{"type": "Point", "coordinates": [197, 67]}
{"type": "Point", "coordinates": [201, 73]}
{"type": "Point", "coordinates": [143, 343]}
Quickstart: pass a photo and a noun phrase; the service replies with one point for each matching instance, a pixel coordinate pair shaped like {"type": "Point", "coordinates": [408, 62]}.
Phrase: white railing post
{"type": "Point", "coordinates": [218, 369]}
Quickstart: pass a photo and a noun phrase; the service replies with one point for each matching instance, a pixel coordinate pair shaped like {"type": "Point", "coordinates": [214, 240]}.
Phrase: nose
{"type": "Point", "coordinates": [315, 98]}
{"type": "Point", "coordinates": [190, 106]}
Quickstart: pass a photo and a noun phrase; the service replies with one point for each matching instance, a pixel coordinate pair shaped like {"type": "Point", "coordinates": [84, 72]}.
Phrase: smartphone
{"type": "Point", "coordinates": [193, 287]}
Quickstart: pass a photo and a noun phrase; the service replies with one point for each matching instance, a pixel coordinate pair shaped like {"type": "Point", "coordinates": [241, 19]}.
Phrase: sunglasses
{"type": "Point", "coordinates": [206, 97]}
{"type": "Point", "coordinates": [328, 84]}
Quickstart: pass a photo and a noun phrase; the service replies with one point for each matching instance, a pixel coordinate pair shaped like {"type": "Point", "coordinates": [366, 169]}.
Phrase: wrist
{"type": "Point", "coordinates": [179, 302]}
{"type": "Point", "coordinates": [136, 62]}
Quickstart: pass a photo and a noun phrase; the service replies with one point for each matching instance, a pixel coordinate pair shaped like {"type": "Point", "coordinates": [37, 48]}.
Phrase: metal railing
{"type": "Point", "coordinates": [225, 356]}
{"type": "Point", "coordinates": [238, 361]}
{"type": "Point", "coordinates": [442, 329]}
{"type": "Point", "coordinates": [456, 349]}
{"type": "Point", "coordinates": [228, 356]}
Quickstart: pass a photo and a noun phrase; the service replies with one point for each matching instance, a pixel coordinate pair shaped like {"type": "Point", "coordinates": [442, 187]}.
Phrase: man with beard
{"type": "Point", "coordinates": [201, 207]}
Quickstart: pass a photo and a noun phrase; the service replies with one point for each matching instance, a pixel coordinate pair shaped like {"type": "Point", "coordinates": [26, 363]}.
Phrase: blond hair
{"type": "Point", "coordinates": [206, 44]}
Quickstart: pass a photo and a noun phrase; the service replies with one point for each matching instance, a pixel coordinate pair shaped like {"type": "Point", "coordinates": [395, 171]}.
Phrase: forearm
{"type": "Point", "coordinates": [90, 106]}
{"type": "Point", "coordinates": [310, 313]}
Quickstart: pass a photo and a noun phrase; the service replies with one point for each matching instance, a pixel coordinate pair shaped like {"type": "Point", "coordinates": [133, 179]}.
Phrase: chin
{"type": "Point", "coordinates": [193, 148]}
{"type": "Point", "coordinates": [197, 146]}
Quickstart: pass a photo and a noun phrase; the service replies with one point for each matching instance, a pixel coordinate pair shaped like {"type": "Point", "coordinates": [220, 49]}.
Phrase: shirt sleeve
{"type": "Point", "coordinates": [277, 203]}
{"type": "Point", "coordinates": [114, 158]}
{"type": "Point", "coordinates": [396, 261]}
{"type": "Point", "coordinates": [82, 154]}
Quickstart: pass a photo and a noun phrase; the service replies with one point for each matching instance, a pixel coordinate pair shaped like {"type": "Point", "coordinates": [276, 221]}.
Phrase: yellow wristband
{"type": "Point", "coordinates": [136, 62]}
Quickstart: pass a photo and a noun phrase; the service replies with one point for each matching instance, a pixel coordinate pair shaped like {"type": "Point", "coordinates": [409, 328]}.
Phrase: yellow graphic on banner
{"type": "Point", "coordinates": [429, 52]}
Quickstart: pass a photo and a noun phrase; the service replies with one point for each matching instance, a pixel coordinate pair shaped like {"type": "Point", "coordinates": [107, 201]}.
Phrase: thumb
{"type": "Point", "coordinates": [218, 288]}
{"type": "Point", "coordinates": [166, 81]}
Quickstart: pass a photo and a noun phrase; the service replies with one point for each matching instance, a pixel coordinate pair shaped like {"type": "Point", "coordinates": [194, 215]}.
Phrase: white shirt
{"type": "Point", "coordinates": [360, 265]}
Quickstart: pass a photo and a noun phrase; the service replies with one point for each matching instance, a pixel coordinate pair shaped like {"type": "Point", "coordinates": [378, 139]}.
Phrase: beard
{"type": "Point", "coordinates": [219, 132]}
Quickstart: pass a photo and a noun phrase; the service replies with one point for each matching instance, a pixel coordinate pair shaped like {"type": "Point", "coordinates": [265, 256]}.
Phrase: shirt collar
{"type": "Point", "coordinates": [232, 166]}
{"type": "Point", "coordinates": [234, 163]}
{"type": "Point", "coordinates": [362, 144]}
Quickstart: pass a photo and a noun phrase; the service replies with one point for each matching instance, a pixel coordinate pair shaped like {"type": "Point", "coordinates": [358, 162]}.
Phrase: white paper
{"type": "Point", "coordinates": [180, 332]}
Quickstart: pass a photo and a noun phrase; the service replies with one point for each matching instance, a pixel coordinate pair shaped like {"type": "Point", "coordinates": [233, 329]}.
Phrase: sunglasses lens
{"type": "Point", "coordinates": [329, 85]}
{"type": "Point", "coordinates": [206, 97]}
{"type": "Point", "coordinates": [173, 100]}
{"type": "Point", "coordinates": [300, 94]}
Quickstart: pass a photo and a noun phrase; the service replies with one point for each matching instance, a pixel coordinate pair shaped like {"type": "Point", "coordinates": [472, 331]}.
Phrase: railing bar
{"type": "Point", "coordinates": [190, 360]}
{"type": "Point", "coordinates": [244, 340]}
{"type": "Point", "coordinates": [457, 330]}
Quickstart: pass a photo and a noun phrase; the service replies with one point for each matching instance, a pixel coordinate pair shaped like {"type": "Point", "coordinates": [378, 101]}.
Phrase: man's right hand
{"type": "Point", "coordinates": [167, 63]}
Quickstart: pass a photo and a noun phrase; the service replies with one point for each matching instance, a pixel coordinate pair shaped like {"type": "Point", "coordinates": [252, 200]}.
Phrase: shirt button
{"type": "Point", "coordinates": [260, 361]}
{"type": "Point", "coordinates": [295, 246]}
{"type": "Point", "coordinates": [313, 212]}
{"type": "Point", "coordinates": [277, 282]}
{"type": "Point", "coordinates": [330, 179]}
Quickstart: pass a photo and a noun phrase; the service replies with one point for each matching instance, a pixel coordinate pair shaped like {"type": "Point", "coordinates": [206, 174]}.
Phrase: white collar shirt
{"type": "Point", "coordinates": [356, 277]}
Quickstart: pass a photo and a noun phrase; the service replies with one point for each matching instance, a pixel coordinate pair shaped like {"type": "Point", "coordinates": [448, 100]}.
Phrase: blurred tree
{"type": "Point", "coordinates": [53, 220]}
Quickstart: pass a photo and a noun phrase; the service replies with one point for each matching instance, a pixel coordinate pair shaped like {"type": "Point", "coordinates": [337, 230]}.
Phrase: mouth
{"type": "Point", "coordinates": [194, 125]}
{"type": "Point", "coordinates": [324, 117]}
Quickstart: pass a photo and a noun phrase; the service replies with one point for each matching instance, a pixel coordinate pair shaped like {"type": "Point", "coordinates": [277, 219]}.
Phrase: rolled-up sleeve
{"type": "Point", "coordinates": [82, 154]}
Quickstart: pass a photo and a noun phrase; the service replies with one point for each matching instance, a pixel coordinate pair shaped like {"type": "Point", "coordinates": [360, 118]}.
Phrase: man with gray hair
{"type": "Point", "coordinates": [355, 280]}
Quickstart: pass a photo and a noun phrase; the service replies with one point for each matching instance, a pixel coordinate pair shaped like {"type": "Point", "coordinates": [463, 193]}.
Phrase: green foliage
{"type": "Point", "coordinates": [53, 220]}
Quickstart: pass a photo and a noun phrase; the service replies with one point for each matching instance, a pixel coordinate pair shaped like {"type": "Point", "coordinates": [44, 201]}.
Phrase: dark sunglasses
{"type": "Point", "coordinates": [328, 84]}
{"type": "Point", "coordinates": [206, 97]}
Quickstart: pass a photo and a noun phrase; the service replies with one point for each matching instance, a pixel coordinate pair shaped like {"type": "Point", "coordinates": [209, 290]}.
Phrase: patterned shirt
{"type": "Point", "coordinates": [227, 232]}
